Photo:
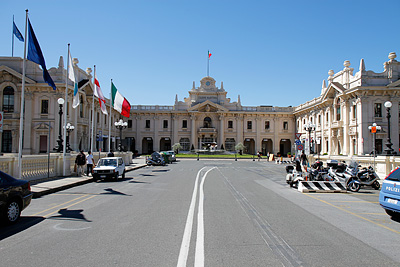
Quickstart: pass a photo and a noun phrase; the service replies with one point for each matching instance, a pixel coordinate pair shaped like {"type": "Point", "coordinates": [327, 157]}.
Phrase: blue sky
{"type": "Point", "coordinates": [268, 52]}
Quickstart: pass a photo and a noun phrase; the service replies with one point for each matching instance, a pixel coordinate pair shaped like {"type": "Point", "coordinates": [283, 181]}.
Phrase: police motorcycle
{"type": "Point", "coordinates": [317, 172]}
{"type": "Point", "coordinates": [294, 174]}
{"type": "Point", "coordinates": [366, 176]}
{"type": "Point", "coordinates": [340, 172]}
{"type": "Point", "coordinates": [155, 159]}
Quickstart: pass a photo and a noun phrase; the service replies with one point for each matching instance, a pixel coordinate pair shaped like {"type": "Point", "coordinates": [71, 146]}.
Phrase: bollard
{"type": "Point", "coordinates": [253, 157]}
{"type": "Point", "coordinates": [198, 156]}
{"type": "Point", "coordinates": [235, 157]}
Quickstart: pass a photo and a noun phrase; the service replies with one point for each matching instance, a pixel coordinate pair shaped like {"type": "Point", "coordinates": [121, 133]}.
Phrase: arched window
{"type": "Point", "coordinates": [8, 99]}
{"type": "Point", "coordinates": [207, 122]}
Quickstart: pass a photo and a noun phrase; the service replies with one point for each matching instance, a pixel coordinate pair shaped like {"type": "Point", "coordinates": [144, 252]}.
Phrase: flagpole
{"type": "Point", "coordinates": [12, 37]}
{"type": "Point", "coordinates": [65, 115]}
{"type": "Point", "coordinates": [109, 122]}
{"type": "Point", "coordinates": [208, 63]}
{"type": "Point", "coordinates": [21, 119]}
{"type": "Point", "coordinates": [92, 133]}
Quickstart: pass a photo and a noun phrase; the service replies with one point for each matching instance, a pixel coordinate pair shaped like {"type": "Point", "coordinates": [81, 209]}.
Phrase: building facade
{"type": "Point", "coordinates": [341, 115]}
{"type": "Point", "coordinates": [348, 106]}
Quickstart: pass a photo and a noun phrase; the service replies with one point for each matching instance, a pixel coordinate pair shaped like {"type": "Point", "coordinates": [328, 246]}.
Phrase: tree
{"type": "Point", "coordinates": [240, 147]}
{"type": "Point", "coordinates": [176, 147]}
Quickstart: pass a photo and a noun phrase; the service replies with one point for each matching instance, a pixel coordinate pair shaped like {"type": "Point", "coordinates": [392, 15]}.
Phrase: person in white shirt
{"type": "Point", "coordinates": [89, 163]}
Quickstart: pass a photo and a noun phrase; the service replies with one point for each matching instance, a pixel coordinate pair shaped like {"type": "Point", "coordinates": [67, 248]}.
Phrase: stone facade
{"type": "Point", "coordinates": [348, 104]}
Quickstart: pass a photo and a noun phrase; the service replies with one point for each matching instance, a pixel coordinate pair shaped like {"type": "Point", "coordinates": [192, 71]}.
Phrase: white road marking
{"type": "Point", "coordinates": [184, 251]}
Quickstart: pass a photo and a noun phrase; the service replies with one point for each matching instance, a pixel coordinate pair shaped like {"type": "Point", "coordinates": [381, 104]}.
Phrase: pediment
{"type": "Point", "coordinates": [208, 106]}
{"type": "Point", "coordinates": [394, 84]}
{"type": "Point", "coordinates": [15, 74]}
{"type": "Point", "coordinates": [333, 90]}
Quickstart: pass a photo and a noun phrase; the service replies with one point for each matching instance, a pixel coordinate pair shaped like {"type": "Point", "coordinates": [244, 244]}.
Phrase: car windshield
{"type": "Point", "coordinates": [108, 162]}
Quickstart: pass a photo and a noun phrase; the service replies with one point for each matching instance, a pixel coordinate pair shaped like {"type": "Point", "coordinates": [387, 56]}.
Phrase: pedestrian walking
{"type": "Point", "coordinates": [258, 155]}
{"type": "Point", "coordinates": [304, 160]}
{"type": "Point", "coordinates": [89, 163]}
{"type": "Point", "coordinates": [80, 161]}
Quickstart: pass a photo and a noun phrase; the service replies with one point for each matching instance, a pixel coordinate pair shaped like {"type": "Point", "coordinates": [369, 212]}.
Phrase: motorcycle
{"type": "Point", "coordinates": [294, 174]}
{"type": "Point", "coordinates": [340, 172]}
{"type": "Point", "coordinates": [366, 176]}
{"type": "Point", "coordinates": [317, 172]}
{"type": "Point", "coordinates": [156, 159]}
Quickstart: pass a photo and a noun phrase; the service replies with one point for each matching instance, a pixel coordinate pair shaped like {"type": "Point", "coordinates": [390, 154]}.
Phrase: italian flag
{"type": "Point", "coordinates": [209, 54]}
{"type": "Point", "coordinates": [119, 102]}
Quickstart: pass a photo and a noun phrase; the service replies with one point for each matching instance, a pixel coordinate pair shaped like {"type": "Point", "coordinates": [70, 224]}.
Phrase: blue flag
{"type": "Point", "coordinates": [35, 54]}
{"type": "Point", "coordinates": [17, 33]}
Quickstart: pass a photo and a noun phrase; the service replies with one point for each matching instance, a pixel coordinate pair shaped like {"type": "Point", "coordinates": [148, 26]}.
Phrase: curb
{"type": "Point", "coordinates": [70, 185]}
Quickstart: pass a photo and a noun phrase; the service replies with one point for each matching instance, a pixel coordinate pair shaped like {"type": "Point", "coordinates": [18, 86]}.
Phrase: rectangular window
{"type": "Point", "coordinates": [285, 125]}
{"type": "Point", "coordinates": [6, 141]}
{"type": "Point", "coordinates": [147, 124]}
{"type": "Point", "coordinates": [230, 124]}
{"type": "Point", "coordinates": [378, 110]}
{"type": "Point", "coordinates": [319, 119]}
{"type": "Point", "coordinates": [184, 124]}
{"type": "Point", "coordinates": [266, 125]}
{"type": "Point", "coordinates": [98, 117]}
{"type": "Point", "coordinates": [354, 111]}
{"type": "Point", "coordinates": [45, 107]}
{"type": "Point", "coordinates": [249, 125]}
{"type": "Point", "coordinates": [129, 123]}
{"type": "Point", "coordinates": [165, 124]}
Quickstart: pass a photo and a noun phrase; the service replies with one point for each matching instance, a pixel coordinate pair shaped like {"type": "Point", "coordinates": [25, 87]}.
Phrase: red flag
{"type": "Point", "coordinates": [209, 54]}
{"type": "Point", "coordinates": [99, 95]}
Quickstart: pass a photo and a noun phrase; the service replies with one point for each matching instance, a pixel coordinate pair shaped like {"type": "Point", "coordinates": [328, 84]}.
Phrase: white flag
{"type": "Point", "coordinates": [71, 76]}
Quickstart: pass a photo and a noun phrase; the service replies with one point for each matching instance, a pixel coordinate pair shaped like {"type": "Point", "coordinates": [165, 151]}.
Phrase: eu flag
{"type": "Point", "coordinates": [17, 33]}
{"type": "Point", "coordinates": [35, 54]}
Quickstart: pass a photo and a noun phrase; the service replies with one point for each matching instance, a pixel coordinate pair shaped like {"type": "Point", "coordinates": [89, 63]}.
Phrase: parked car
{"type": "Point", "coordinates": [389, 196]}
{"type": "Point", "coordinates": [15, 196]}
{"type": "Point", "coordinates": [110, 167]}
{"type": "Point", "coordinates": [171, 154]}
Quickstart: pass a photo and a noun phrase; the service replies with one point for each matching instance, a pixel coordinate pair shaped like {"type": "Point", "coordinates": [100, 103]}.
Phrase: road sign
{"type": "Point", "coordinates": [300, 147]}
{"type": "Point", "coordinates": [297, 135]}
{"type": "Point", "coordinates": [297, 142]}
{"type": "Point", "coordinates": [100, 138]}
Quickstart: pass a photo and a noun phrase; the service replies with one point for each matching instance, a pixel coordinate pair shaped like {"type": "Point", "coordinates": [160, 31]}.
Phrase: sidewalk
{"type": "Point", "coordinates": [61, 183]}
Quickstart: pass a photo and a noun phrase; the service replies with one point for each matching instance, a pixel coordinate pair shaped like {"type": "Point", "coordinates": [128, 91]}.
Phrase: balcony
{"type": "Point", "coordinates": [207, 130]}
{"type": "Point", "coordinates": [336, 124]}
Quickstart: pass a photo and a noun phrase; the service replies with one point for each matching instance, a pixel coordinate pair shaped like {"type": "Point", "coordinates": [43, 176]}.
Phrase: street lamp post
{"type": "Point", "coordinates": [59, 146]}
{"type": "Point", "coordinates": [389, 150]}
{"type": "Point", "coordinates": [374, 129]}
{"type": "Point", "coordinates": [70, 128]}
{"type": "Point", "coordinates": [120, 125]}
{"type": "Point", "coordinates": [309, 127]}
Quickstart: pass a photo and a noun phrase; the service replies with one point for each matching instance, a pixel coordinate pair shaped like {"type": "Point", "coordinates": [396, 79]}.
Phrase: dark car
{"type": "Point", "coordinates": [389, 197]}
{"type": "Point", "coordinates": [15, 196]}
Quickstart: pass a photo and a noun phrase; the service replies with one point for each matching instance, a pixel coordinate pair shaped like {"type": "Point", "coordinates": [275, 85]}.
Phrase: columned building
{"type": "Point", "coordinates": [207, 118]}
{"type": "Point", "coordinates": [349, 103]}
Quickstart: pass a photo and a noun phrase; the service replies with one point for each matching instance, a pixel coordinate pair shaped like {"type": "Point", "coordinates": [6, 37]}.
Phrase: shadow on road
{"type": "Point", "coordinates": [110, 191]}
{"type": "Point", "coordinates": [23, 224]}
{"type": "Point", "coordinates": [70, 214]}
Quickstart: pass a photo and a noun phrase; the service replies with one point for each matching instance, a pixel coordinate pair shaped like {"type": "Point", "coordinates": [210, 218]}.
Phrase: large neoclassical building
{"type": "Point", "coordinates": [341, 115]}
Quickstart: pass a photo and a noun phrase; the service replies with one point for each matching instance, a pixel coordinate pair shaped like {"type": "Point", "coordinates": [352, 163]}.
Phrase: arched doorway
{"type": "Point", "coordinates": [285, 146]}
{"type": "Point", "coordinates": [207, 122]}
{"type": "Point", "coordinates": [165, 144]}
{"type": "Point", "coordinates": [267, 146]}
{"type": "Point", "coordinates": [250, 146]}
{"type": "Point", "coordinates": [147, 145]}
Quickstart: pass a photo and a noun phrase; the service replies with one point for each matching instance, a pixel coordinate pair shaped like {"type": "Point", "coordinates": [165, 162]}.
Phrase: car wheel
{"type": "Point", "coordinates": [393, 214]}
{"type": "Point", "coordinates": [376, 185]}
{"type": "Point", "coordinates": [123, 175]}
{"type": "Point", "coordinates": [116, 176]}
{"type": "Point", "coordinates": [13, 211]}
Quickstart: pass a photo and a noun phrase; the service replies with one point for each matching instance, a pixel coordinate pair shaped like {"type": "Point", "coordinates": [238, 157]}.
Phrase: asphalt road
{"type": "Point", "coordinates": [202, 213]}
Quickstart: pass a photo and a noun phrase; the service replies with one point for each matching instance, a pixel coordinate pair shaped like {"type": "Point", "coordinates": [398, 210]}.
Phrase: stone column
{"type": "Point", "coordinates": [258, 134]}
{"type": "Point", "coordinates": [276, 139]}
{"type": "Point", "coordinates": [239, 129]}
{"type": "Point", "coordinates": [221, 131]}
{"type": "Point", "coordinates": [175, 129]}
{"type": "Point", "coordinates": [345, 118]}
{"type": "Point", "coordinates": [28, 138]}
{"type": "Point", "coordinates": [193, 139]}
{"type": "Point", "coordinates": [138, 140]}
{"type": "Point", "coordinates": [156, 142]}
{"type": "Point", "coordinates": [394, 125]}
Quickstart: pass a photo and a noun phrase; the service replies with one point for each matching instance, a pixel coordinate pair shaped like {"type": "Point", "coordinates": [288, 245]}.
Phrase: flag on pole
{"type": "Point", "coordinates": [17, 33]}
{"type": "Point", "coordinates": [119, 102]}
{"type": "Point", "coordinates": [35, 54]}
{"type": "Point", "coordinates": [71, 76]}
{"type": "Point", "coordinates": [209, 54]}
{"type": "Point", "coordinates": [99, 95]}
